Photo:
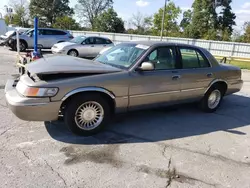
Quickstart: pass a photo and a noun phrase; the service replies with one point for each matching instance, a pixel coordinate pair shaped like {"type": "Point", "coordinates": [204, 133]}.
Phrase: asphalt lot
{"type": "Point", "coordinates": [171, 147]}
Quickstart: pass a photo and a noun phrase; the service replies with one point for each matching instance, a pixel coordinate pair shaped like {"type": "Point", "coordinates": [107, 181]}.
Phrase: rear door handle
{"type": "Point", "coordinates": [92, 46]}
{"type": "Point", "coordinates": [176, 77]}
{"type": "Point", "coordinates": [209, 75]}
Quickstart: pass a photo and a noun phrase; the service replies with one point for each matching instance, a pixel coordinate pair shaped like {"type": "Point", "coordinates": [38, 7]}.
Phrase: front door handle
{"type": "Point", "coordinates": [209, 75]}
{"type": "Point", "coordinates": [92, 46]}
{"type": "Point", "coordinates": [176, 77]}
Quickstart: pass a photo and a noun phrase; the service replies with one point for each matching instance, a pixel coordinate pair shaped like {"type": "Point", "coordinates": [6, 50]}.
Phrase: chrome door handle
{"type": "Point", "coordinates": [176, 77]}
{"type": "Point", "coordinates": [209, 75]}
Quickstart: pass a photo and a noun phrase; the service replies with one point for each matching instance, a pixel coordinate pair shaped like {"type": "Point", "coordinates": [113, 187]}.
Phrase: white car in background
{"type": "Point", "coordinates": [83, 46]}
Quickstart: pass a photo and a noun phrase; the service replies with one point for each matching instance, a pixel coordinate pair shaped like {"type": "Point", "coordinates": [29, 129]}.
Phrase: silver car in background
{"type": "Point", "coordinates": [47, 37]}
{"type": "Point", "coordinates": [83, 46]}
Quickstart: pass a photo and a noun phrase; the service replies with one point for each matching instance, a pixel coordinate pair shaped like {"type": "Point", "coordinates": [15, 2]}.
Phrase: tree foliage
{"type": "Point", "coordinates": [204, 19]}
{"type": "Point", "coordinates": [49, 10]}
{"type": "Point", "coordinates": [186, 20]}
{"type": "Point", "coordinates": [88, 10]}
{"type": "Point", "coordinates": [171, 27]}
{"type": "Point", "coordinates": [20, 17]}
{"type": "Point", "coordinates": [142, 24]}
{"type": "Point", "coordinates": [246, 36]}
{"type": "Point", "coordinates": [109, 21]}
{"type": "Point", "coordinates": [66, 23]}
{"type": "Point", "coordinates": [226, 20]}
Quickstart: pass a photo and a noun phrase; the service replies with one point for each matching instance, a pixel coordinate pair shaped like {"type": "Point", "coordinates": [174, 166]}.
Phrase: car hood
{"type": "Point", "coordinates": [64, 44]}
{"type": "Point", "coordinates": [67, 64]}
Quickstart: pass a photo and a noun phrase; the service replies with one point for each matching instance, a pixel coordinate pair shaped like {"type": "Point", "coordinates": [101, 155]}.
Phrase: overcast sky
{"type": "Point", "coordinates": [125, 8]}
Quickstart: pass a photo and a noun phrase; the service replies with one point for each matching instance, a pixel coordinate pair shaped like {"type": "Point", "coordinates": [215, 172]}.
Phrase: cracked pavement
{"type": "Point", "coordinates": [163, 148]}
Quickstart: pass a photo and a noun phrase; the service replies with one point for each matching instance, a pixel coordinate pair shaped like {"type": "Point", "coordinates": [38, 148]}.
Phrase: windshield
{"type": "Point", "coordinates": [28, 31]}
{"type": "Point", "coordinates": [122, 55]}
{"type": "Point", "coordinates": [78, 40]}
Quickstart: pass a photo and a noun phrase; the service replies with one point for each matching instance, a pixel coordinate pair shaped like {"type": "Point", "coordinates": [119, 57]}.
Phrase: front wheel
{"type": "Point", "coordinates": [86, 115]}
{"type": "Point", "coordinates": [73, 53]}
{"type": "Point", "coordinates": [212, 100]}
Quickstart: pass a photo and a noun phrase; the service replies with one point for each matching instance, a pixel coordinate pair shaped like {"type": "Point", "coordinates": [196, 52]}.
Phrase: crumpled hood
{"type": "Point", "coordinates": [67, 64]}
{"type": "Point", "coordinates": [64, 44]}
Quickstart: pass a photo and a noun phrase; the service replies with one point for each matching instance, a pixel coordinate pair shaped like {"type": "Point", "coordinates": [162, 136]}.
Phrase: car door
{"type": "Point", "coordinates": [43, 38]}
{"type": "Point", "coordinates": [100, 43]}
{"type": "Point", "coordinates": [160, 86]}
{"type": "Point", "coordinates": [87, 48]}
{"type": "Point", "coordinates": [196, 73]}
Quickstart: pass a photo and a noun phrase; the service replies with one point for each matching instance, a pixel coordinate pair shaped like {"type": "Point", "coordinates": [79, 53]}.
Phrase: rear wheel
{"type": "Point", "coordinates": [73, 53]}
{"type": "Point", "coordinates": [86, 115]}
{"type": "Point", "coordinates": [212, 99]}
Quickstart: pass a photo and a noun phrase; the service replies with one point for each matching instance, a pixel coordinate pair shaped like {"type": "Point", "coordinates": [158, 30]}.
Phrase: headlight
{"type": "Point", "coordinates": [35, 91]}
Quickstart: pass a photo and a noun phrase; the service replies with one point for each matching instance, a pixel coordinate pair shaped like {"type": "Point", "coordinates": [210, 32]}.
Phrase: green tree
{"type": "Point", "coordinates": [142, 24]}
{"type": "Point", "coordinates": [66, 23]}
{"type": "Point", "coordinates": [246, 36]}
{"type": "Point", "coordinates": [237, 36]}
{"type": "Point", "coordinates": [171, 27]}
{"type": "Point", "coordinates": [49, 10]}
{"type": "Point", "coordinates": [20, 14]}
{"type": "Point", "coordinates": [109, 21]}
{"type": "Point", "coordinates": [88, 10]}
{"type": "Point", "coordinates": [186, 20]}
{"type": "Point", "coordinates": [204, 19]}
{"type": "Point", "coordinates": [226, 20]}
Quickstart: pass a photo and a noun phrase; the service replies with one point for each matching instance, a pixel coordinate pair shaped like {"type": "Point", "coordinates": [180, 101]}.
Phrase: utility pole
{"type": "Point", "coordinates": [163, 19]}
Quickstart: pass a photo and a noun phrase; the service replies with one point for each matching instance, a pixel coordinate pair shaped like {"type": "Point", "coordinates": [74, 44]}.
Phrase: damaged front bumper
{"type": "Point", "coordinates": [30, 109]}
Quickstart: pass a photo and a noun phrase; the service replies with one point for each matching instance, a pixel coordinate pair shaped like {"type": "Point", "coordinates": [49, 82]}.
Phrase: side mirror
{"type": "Point", "coordinates": [146, 66]}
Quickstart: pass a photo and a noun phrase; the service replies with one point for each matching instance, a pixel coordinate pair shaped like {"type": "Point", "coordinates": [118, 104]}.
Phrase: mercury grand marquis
{"type": "Point", "coordinates": [128, 76]}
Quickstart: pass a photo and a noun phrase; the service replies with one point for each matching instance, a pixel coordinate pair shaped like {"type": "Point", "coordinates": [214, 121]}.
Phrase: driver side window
{"type": "Point", "coordinates": [90, 40]}
{"type": "Point", "coordinates": [163, 58]}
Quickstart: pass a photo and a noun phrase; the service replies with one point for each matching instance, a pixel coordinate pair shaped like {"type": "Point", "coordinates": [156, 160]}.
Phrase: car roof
{"type": "Point", "coordinates": [50, 29]}
{"type": "Point", "coordinates": [97, 37]}
{"type": "Point", "coordinates": [160, 43]}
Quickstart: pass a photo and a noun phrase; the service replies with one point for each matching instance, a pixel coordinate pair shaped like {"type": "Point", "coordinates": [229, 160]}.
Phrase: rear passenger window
{"type": "Point", "coordinates": [59, 32]}
{"type": "Point", "coordinates": [53, 32]}
{"type": "Point", "coordinates": [108, 41]}
{"type": "Point", "coordinates": [191, 58]}
{"type": "Point", "coordinates": [100, 41]}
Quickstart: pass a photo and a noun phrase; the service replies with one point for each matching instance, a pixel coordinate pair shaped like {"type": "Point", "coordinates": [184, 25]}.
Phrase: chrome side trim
{"type": "Point", "coordinates": [195, 89]}
{"type": "Point", "coordinates": [213, 82]}
{"type": "Point", "coordinates": [32, 104]}
{"type": "Point", "coordinates": [102, 90]}
{"type": "Point", "coordinates": [151, 94]}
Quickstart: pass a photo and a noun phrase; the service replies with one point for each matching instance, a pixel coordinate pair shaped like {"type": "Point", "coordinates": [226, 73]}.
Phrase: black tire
{"type": "Point", "coordinates": [75, 103]}
{"type": "Point", "coordinates": [23, 46]}
{"type": "Point", "coordinates": [73, 53]}
{"type": "Point", "coordinates": [204, 103]}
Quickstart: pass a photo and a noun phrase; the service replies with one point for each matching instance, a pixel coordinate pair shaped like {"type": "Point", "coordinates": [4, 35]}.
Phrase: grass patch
{"type": "Point", "coordinates": [241, 64]}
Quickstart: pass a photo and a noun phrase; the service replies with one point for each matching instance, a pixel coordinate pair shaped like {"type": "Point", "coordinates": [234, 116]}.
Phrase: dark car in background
{"type": "Point", "coordinates": [47, 37]}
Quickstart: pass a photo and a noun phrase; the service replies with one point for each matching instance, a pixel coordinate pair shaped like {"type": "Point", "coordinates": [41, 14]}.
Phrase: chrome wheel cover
{"type": "Point", "coordinates": [214, 99]}
{"type": "Point", "coordinates": [21, 46]}
{"type": "Point", "coordinates": [73, 53]}
{"type": "Point", "coordinates": [89, 115]}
